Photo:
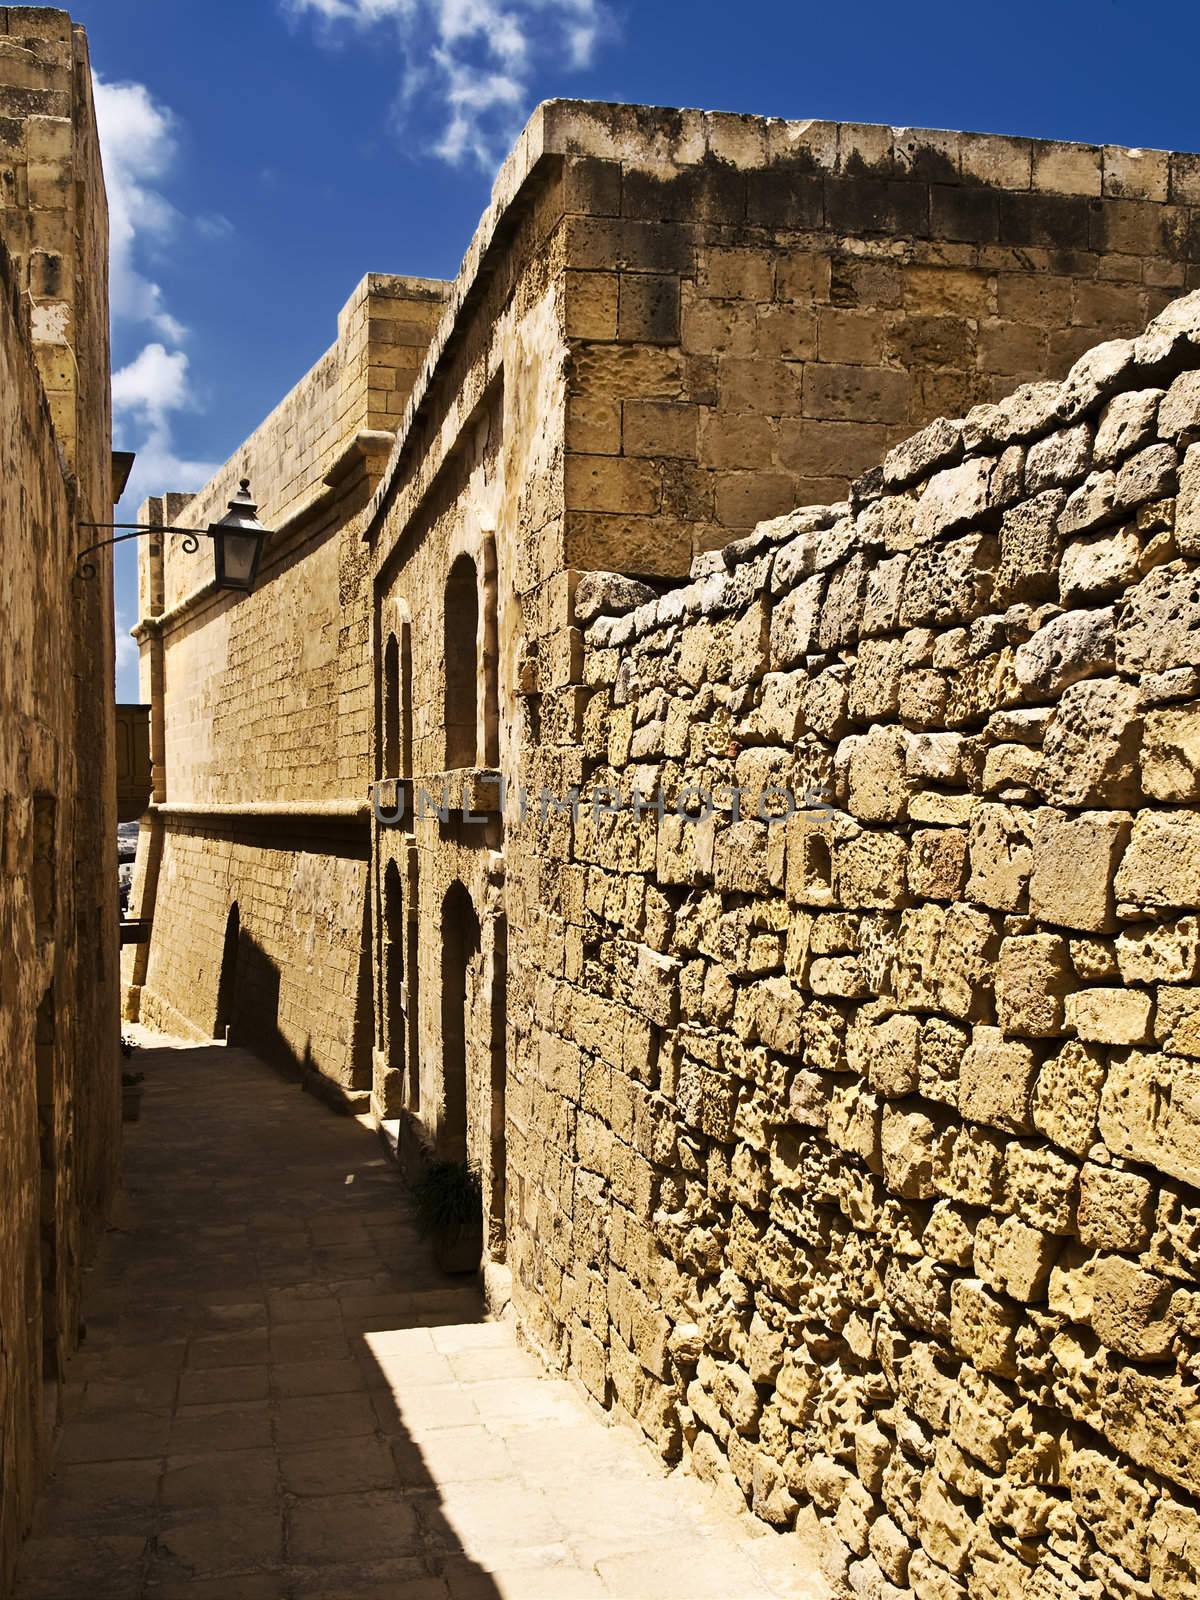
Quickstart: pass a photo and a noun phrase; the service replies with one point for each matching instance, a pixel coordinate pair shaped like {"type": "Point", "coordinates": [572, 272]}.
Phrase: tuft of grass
{"type": "Point", "coordinates": [448, 1196]}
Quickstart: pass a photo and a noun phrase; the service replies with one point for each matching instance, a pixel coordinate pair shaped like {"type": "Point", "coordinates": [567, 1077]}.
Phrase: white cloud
{"type": "Point", "coordinates": [139, 145]}
{"type": "Point", "coordinates": [146, 393]}
{"type": "Point", "coordinates": [137, 140]}
{"type": "Point", "coordinates": [474, 61]}
{"type": "Point", "coordinates": [154, 382]}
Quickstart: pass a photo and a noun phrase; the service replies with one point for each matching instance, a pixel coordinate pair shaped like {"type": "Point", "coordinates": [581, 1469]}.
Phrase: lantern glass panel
{"type": "Point", "coordinates": [237, 559]}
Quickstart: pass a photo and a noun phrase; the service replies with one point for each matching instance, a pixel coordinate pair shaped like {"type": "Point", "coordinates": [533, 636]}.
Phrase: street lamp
{"type": "Point", "coordinates": [237, 542]}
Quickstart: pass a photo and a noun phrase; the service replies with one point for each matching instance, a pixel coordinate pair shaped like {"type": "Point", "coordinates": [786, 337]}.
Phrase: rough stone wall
{"type": "Point", "coordinates": [59, 1122]}
{"type": "Point", "coordinates": [858, 1154]}
{"type": "Point", "coordinates": [652, 304]}
{"type": "Point", "coordinates": [261, 718]}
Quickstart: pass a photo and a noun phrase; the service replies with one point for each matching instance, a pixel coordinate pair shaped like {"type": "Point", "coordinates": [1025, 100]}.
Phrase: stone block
{"type": "Point", "coordinates": [1041, 1187]}
{"type": "Point", "coordinates": [1001, 856]}
{"type": "Point", "coordinates": [1160, 952]}
{"type": "Point", "coordinates": [1116, 1209]}
{"type": "Point", "coordinates": [878, 782]}
{"type": "Point", "coordinates": [1091, 746]}
{"type": "Point", "coordinates": [1057, 459]}
{"type": "Point", "coordinates": [591, 305]}
{"type": "Point", "coordinates": [1158, 624]}
{"type": "Point", "coordinates": [1029, 549]}
{"type": "Point", "coordinates": [983, 1327]}
{"type": "Point", "coordinates": [1098, 566]}
{"type": "Point", "coordinates": [1074, 860]}
{"type": "Point", "coordinates": [838, 393]}
{"type": "Point", "coordinates": [1126, 425]}
{"type": "Point", "coordinates": [1072, 646]}
{"type": "Point", "coordinates": [1109, 1016]}
{"type": "Point", "coordinates": [1114, 1506]}
{"type": "Point", "coordinates": [1161, 866]}
{"type": "Point", "coordinates": [996, 1081]}
{"type": "Point", "coordinates": [736, 274]}
{"type": "Point", "coordinates": [1013, 1258]}
{"type": "Point", "coordinates": [762, 385]}
{"type": "Point", "coordinates": [1151, 1419]}
{"type": "Point", "coordinates": [1032, 977]}
{"type": "Point", "coordinates": [1150, 1112]}
{"type": "Point", "coordinates": [937, 863]}
{"type": "Point", "coordinates": [1173, 1538]}
{"type": "Point", "coordinates": [1066, 1098]}
{"type": "Point", "coordinates": [1170, 762]}
{"type": "Point", "coordinates": [660, 428]}
{"type": "Point", "coordinates": [612, 483]}
{"type": "Point", "coordinates": [1177, 1020]}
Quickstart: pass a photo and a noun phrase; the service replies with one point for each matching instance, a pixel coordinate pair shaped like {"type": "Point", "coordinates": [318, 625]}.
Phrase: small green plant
{"type": "Point", "coordinates": [448, 1197]}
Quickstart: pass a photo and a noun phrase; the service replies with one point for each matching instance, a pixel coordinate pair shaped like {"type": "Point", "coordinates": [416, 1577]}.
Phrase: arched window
{"type": "Point", "coordinates": [393, 967]}
{"type": "Point", "coordinates": [391, 708]}
{"type": "Point", "coordinates": [461, 657]}
{"type": "Point", "coordinates": [406, 701]}
{"type": "Point", "coordinates": [460, 942]}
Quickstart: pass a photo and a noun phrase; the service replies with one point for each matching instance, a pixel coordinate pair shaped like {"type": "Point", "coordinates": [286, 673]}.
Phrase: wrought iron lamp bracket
{"type": "Point", "coordinates": [87, 569]}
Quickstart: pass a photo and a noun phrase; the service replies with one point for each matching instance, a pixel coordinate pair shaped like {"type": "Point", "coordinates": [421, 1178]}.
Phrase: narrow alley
{"type": "Point", "coordinates": [279, 1398]}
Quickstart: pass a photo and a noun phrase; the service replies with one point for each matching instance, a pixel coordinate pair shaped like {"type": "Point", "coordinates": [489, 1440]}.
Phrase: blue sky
{"type": "Point", "coordinates": [263, 154]}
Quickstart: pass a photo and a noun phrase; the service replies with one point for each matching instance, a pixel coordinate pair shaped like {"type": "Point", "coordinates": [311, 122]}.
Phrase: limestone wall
{"type": "Point", "coordinates": [59, 1114]}
{"type": "Point", "coordinates": [857, 1156]}
{"type": "Point", "coordinates": [758, 309]}
{"type": "Point", "coordinates": [261, 720]}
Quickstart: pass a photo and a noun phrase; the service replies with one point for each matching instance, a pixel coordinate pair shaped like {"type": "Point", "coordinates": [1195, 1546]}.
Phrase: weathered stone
{"type": "Point", "coordinates": [1150, 1111]}
{"type": "Point", "coordinates": [1179, 412]}
{"type": "Point", "coordinates": [1177, 1020]}
{"type": "Point", "coordinates": [878, 782]}
{"type": "Point", "coordinates": [1126, 425]}
{"type": "Point", "coordinates": [984, 1327]}
{"type": "Point", "coordinates": [1075, 645]}
{"type": "Point", "coordinates": [1029, 550]}
{"type": "Point", "coordinates": [1001, 856]}
{"type": "Point", "coordinates": [1149, 475]}
{"type": "Point", "coordinates": [1171, 754]}
{"type": "Point", "coordinates": [1098, 566]}
{"type": "Point", "coordinates": [951, 498]}
{"type": "Point", "coordinates": [1032, 976]}
{"type": "Point", "coordinates": [1174, 1545]}
{"type": "Point", "coordinates": [1158, 624]}
{"type": "Point", "coordinates": [933, 447]}
{"type": "Point", "coordinates": [1163, 952]}
{"type": "Point", "coordinates": [1013, 1258]}
{"type": "Point", "coordinates": [1059, 458]}
{"type": "Point", "coordinates": [1074, 859]}
{"type": "Point", "coordinates": [1066, 1100]}
{"type": "Point", "coordinates": [1089, 506]}
{"type": "Point", "coordinates": [996, 1081]}
{"type": "Point", "coordinates": [1109, 1016]}
{"type": "Point", "coordinates": [1116, 1209]}
{"type": "Point", "coordinates": [1161, 866]}
{"type": "Point", "coordinates": [1090, 751]}
{"type": "Point", "coordinates": [1114, 1506]}
{"type": "Point", "coordinates": [609, 594]}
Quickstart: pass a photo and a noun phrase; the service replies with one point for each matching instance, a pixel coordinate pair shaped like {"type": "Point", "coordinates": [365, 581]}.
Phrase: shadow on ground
{"type": "Point", "coordinates": [280, 1398]}
{"type": "Point", "coordinates": [231, 1423]}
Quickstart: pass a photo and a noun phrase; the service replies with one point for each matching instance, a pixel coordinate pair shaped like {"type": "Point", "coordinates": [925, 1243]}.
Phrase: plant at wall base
{"type": "Point", "coordinates": [449, 1202]}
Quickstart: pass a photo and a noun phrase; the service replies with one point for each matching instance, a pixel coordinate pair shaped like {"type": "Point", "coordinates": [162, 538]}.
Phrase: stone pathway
{"type": "Point", "coordinates": [279, 1398]}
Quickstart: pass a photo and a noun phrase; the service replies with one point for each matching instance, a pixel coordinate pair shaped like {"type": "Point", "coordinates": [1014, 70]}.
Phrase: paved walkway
{"type": "Point", "coordinates": [279, 1398]}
